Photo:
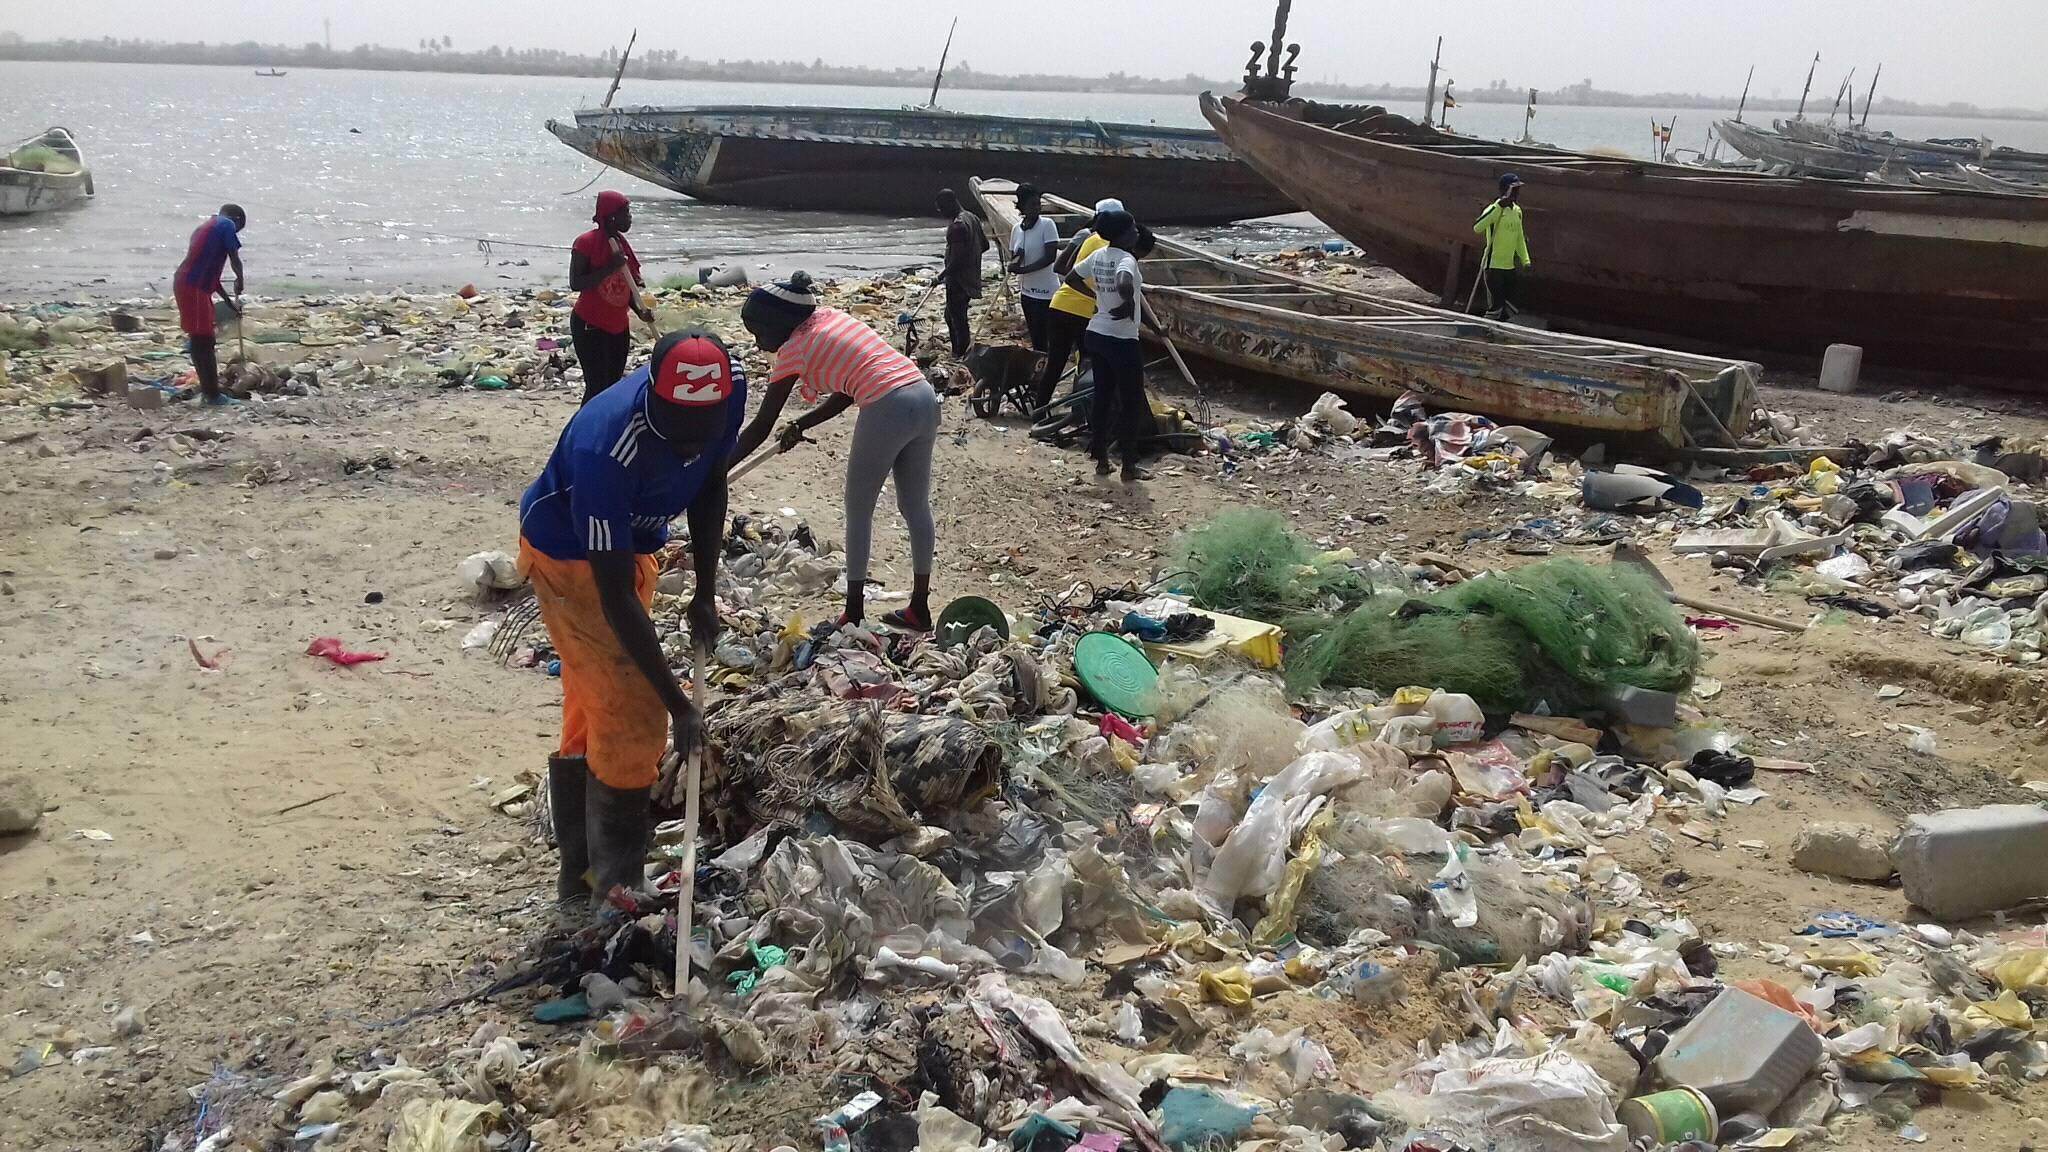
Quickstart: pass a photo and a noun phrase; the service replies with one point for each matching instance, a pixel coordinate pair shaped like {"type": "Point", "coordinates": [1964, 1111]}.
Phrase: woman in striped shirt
{"type": "Point", "coordinates": [844, 363]}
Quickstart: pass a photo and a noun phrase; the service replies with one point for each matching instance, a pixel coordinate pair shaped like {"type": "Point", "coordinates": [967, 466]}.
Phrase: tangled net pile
{"type": "Point", "coordinates": [1558, 632]}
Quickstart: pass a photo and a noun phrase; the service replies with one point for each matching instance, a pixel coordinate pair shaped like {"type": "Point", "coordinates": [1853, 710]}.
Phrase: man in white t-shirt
{"type": "Point", "coordinates": [1117, 282]}
{"type": "Point", "coordinates": [1034, 246]}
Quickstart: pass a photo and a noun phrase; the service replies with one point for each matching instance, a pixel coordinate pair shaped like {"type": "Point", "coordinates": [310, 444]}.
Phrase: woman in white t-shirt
{"type": "Point", "coordinates": [1115, 279]}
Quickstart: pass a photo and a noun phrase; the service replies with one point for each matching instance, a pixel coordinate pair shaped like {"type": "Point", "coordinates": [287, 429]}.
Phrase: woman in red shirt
{"type": "Point", "coordinates": [605, 275]}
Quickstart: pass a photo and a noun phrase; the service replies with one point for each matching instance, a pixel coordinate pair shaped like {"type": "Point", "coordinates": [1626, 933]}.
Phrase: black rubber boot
{"type": "Point", "coordinates": [617, 830]}
{"type": "Point", "coordinates": [566, 776]}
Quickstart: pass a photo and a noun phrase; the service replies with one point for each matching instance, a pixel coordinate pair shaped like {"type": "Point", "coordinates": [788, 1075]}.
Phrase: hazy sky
{"type": "Point", "coordinates": [1979, 51]}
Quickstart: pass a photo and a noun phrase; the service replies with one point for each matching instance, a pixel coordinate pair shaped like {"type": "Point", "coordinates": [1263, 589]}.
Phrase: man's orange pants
{"type": "Point", "coordinates": [611, 715]}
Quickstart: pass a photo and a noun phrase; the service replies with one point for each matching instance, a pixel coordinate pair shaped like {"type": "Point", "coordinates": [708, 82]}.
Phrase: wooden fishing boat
{"type": "Point", "coordinates": [271, 73]}
{"type": "Point", "coordinates": [43, 173]}
{"type": "Point", "coordinates": [1263, 323]}
{"type": "Point", "coordinates": [1952, 281]}
{"type": "Point", "coordinates": [1795, 155]}
{"type": "Point", "coordinates": [2021, 184]}
{"type": "Point", "coordinates": [895, 161]}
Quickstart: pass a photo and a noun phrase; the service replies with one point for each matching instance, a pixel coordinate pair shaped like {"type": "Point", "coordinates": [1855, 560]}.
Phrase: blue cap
{"type": "Point", "coordinates": [1509, 180]}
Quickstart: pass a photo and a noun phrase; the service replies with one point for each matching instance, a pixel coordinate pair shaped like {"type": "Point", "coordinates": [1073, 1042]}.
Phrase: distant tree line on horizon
{"type": "Point", "coordinates": [439, 55]}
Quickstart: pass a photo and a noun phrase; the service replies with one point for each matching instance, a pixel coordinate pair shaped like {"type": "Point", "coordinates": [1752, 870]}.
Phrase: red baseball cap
{"type": "Point", "coordinates": [695, 370]}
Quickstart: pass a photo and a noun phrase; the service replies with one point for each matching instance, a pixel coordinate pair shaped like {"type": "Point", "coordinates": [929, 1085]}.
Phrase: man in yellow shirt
{"type": "Point", "coordinates": [1507, 247]}
{"type": "Point", "coordinates": [1071, 310]}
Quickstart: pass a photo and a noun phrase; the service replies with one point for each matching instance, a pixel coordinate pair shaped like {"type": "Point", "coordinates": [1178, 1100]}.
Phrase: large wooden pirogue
{"type": "Point", "coordinates": [1946, 280]}
{"type": "Point", "coordinates": [1266, 323]}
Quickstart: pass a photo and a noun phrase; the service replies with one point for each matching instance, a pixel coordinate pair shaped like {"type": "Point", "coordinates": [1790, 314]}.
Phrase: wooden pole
{"type": "Point", "coordinates": [1429, 98]}
{"type": "Point", "coordinates": [1846, 81]}
{"type": "Point", "coordinates": [621, 73]}
{"type": "Point", "coordinates": [946, 52]}
{"type": "Point", "coordinates": [1801, 114]}
{"type": "Point", "coordinates": [1744, 102]}
{"type": "Point", "coordinates": [686, 893]}
{"type": "Point", "coordinates": [1185, 373]}
{"type": "Point", "coordinates": [1870, 95]}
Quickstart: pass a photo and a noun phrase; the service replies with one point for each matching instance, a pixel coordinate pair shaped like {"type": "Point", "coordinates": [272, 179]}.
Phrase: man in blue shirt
{"type": "Point", "coordinates": [636, 455]}
{"type": "Point", "coordinates": [214, 244]}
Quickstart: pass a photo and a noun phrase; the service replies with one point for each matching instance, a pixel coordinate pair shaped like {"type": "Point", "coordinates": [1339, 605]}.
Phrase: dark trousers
{"type": "Point", "coordinates": [1063, 332]}
{"type": "Point", "coordinates": [957, 326]}
{"type": "Point", "coordinates": [602, 355]}
{"type": "Point", "coordinates": [1037, 315]}
{"type": "Point", "coordinates": [1501, 285]}
{"type": "Point", "coordinates": [1120, 410]}
{"type": "Point", "coordinates": [206, 364]}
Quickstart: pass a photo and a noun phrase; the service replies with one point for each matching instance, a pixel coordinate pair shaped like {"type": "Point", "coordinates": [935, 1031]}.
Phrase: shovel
{"type": "Point", "coordinates": [1625, 553]}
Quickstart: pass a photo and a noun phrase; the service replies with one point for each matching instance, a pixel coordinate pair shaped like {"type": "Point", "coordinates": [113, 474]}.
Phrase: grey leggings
{"type": "Point", "coordinates": [892, 436]}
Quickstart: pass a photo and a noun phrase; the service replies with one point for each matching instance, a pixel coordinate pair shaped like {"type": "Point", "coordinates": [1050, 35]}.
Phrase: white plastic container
{"type": "Point", "coordinates": [1744, 1054]}
{"type": "Point", "coordinates": [1458, 718]}
{"type": "Point", "coordinates": [1840, 368]}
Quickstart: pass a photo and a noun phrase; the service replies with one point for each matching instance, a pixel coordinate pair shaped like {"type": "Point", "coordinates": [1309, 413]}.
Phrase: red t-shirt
{"type": "Point", "coordinates": [609, 305]}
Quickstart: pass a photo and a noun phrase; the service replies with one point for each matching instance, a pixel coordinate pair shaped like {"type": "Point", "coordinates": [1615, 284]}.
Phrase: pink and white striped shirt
{"type": "Point", "coordinates": [835, 352]}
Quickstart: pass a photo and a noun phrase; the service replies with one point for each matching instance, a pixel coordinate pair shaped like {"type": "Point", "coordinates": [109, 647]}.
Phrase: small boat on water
{"type": "Point", "coordinates": [895, 161]}
{"type": "Point", "coordinates": [42, 173]}
{"type": "Point", "coordinates": [271, 73]}
{"type": "Point", "coordinates": [1266, 323]}
{"type": "Point", "coordinates": [1951, 281]}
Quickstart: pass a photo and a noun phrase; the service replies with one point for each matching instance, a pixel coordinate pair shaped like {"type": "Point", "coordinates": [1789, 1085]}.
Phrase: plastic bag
{"type": "Point", "coordinates": [1411, 734]}
{"type": "Point", "coordinates": [331, 648]}
{"type": "Point", "coordinates": [1328, 410]}
{"type": "Point", "coordinates": [1549, 1103]}
{"type": "Point", "coordinates": [1493, 781]}
{"type": "Point", "coordinates": [939, 1129]}
{"type": "Point", "coordinates": [445, 1125]}
{"type": "Point", "coordinates": [1253, 861]}
{"type": "Point", "coordinates": [1338, 730]}
{"type": "Point", "coordinates": [1458, 718]}
{"type": "Point", "coordinates": [1130, 1025]}
{"type": "Point", "coordinates": [1411, 836]}
{"type": "Point", "coordinates": [1452, 891]}
{"type": "Point", "coordinates": [489, 572]}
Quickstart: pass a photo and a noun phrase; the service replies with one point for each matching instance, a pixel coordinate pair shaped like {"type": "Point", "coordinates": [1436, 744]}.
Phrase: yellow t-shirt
{"type": "Point", "coordinates": [1070, 301]}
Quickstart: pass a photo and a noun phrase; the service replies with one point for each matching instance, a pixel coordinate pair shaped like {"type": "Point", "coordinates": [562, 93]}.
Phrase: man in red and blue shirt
{"type": "Point", "coordinates": [214, 244]}
{"type": "Point", "coordinates": [636, 455]}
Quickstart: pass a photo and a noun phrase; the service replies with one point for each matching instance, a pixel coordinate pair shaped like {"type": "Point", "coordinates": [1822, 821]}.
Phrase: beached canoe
{"type": "Point", "coordinates": [1264, 323]}
{"type": "Point", "coordinates": [895, 161]}
{"type": "Point", "coordinates": [43, 173]}
{"type": "Point", "coordinates": [1952, 281]}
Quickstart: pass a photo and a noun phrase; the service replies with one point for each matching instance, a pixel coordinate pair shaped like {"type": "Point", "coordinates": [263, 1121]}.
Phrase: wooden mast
{"type": "Point", "coordinates": [621, 73]}
{"type": "Point", "coordinates": [946, 52]}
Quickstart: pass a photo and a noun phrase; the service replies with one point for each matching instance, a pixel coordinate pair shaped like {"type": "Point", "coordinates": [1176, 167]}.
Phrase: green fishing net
{"type": "Point", "coordinates": [1558, 632]}
{"type": "Point", "coordinates": [1247, 563]}
{"type": "Point", "coordinates": [41, 158]}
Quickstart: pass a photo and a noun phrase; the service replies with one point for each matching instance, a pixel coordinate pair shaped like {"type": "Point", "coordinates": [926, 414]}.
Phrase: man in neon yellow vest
{"type": "Point", "coordinates": [1507, 247]}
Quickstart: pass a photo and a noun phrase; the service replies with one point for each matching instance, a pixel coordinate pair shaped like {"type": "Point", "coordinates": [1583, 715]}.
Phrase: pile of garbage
{"type": "Point", "coordinates": [63, 353]}
{"type": "Point", "coordinates": [1906, 526]}
{"type": "Point", "coordinates": [1949, 532]}
{"type": "Point", "coordinates": [1098, 877]}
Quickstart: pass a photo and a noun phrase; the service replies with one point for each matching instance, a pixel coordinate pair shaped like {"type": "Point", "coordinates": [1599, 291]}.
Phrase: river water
{"type": "Point", "coordinates": [378, 180]}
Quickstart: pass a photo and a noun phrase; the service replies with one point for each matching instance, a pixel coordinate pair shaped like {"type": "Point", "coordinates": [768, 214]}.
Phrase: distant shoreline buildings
{"type": "Point", "coordinates": [667, 64]}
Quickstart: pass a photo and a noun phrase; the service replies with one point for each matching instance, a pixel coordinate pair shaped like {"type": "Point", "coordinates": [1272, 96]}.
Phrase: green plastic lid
{"type": "Point", "coordinates": [966, 616]}
{"type": "Point", "coordinates": [1116, 672]}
